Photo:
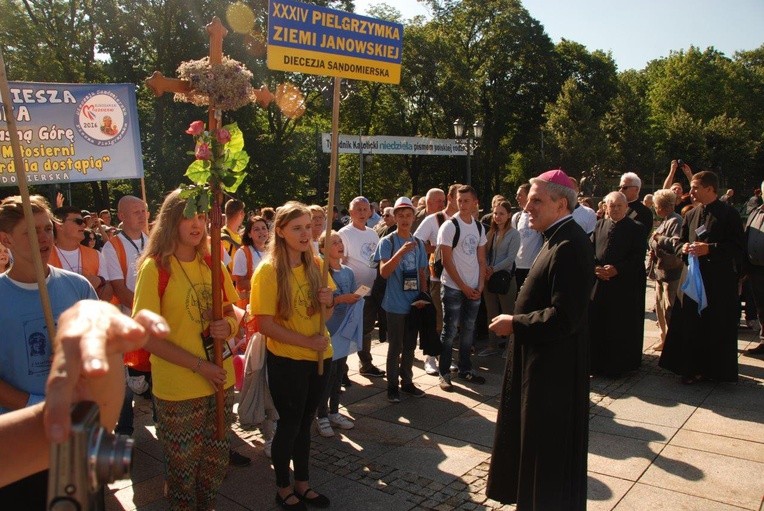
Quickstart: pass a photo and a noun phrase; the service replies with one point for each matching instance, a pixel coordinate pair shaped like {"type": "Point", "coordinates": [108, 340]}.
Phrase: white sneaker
{"type": "Point", "coordinates": [340, 421]}
{"type": "Point", "coordinates": [324, 428]}
{"type": "Point", "coordinates": [431, 365]}
{"type": "Point", "coordinates": [267, 447]}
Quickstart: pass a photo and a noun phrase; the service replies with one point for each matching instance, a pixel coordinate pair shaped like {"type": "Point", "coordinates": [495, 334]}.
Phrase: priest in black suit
{"type": "Point", "coordinates": [616, 313]}
{"type": "Point", "coordinates": [542, 430]}
{"type": "Point", "coordinates": [703, 345]}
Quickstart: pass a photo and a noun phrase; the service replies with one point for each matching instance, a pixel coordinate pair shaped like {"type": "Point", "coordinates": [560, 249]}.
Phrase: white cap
{"type": "Point", "coordinates": [403, 202]}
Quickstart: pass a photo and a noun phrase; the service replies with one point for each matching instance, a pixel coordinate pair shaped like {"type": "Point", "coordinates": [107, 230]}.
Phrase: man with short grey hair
{"type": "Point", "coordinates": [630, 186]}
{"type": "Point", "coordinates": [427, 231]}
{"type": "Point", "coordinates": [360, 244]}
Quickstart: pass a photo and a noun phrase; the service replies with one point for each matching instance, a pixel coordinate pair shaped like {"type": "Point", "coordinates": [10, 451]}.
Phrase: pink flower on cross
{"type": "Point", "coordinates": [223, 136]}
{"type": "Point", "coordinates": [196, 128]}
{"type": "Point", "coordinates": [203, 151]}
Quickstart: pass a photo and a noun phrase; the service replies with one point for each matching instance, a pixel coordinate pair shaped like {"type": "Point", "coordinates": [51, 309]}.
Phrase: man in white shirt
{"type": "Point", "coordinates": [69, 254]}
{"type": "Point", "coordinates": [360, 244]}
{"type": "Point", "coordinates": [530, 239]}
{"type": "Point", "coordinates": [427, 231]}
{"type": "Point", "coordinates": [462, 284]}
{"type": "Point", "coordinates": [120, 254]}
{"type": "Point", "coordinates": [583, 215]}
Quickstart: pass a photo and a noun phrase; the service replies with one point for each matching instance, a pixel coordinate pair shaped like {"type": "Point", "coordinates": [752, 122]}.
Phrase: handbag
{"type": "Point", "coordinates": [499, 282]}
{"type": "Point", "coordinates": [667, 261]}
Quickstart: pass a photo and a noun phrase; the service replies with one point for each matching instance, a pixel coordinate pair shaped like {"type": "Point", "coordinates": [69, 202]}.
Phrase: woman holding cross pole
{"type": "Point", "coordinates": [175, 280]}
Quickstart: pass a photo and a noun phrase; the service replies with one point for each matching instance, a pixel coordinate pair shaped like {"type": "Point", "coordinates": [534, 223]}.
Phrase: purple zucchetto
{"type": "Point", "coordinates": [557, 177]}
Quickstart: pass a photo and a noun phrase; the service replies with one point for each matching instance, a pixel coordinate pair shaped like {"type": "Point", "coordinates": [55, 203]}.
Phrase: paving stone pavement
{"type": "Point", "coordinates": [654, 444]}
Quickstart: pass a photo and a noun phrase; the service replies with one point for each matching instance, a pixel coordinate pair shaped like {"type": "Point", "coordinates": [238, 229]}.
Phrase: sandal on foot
{"type": "Point", "coordinates": [320, 501]}
{"type": "Point", "coordinates": [296, 506]}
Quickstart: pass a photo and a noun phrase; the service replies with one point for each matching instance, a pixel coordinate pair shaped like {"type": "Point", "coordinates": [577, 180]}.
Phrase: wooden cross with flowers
{"type": "Point", "coordinates": [221, 84]}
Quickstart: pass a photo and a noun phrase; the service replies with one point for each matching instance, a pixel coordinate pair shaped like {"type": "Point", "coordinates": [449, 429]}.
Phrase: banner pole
{"type": "Point", "coordinates": [21, 180]}
{"type": "Point", "coordinates": [332, 179]}
{"type": "Point", "coordinates": [143, 190]}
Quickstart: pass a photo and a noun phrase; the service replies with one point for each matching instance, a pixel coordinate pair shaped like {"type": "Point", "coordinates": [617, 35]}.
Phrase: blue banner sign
{"type": "Point", "coordinates": [71, 133]}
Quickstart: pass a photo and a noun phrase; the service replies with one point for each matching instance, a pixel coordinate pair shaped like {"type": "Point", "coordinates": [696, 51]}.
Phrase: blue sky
{"type": "Point", "coordinates": [638, 31]}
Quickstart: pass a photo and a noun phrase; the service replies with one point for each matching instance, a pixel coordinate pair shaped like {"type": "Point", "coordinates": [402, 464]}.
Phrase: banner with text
{"type": "Point", "coordinates": [306, 38]}
{"type": "Point", "coordinates": [71, 133]}
{"type": "Point", "coordinates": [382, 144]}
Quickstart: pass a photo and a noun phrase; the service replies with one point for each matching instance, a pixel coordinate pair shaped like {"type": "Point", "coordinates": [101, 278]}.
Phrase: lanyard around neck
{"type": "Point", "coordinates": [193, 288]}
{"type": "Point", "coordinates": [75, 269]}
{"type": "Point", "coordinates": [133, 243]}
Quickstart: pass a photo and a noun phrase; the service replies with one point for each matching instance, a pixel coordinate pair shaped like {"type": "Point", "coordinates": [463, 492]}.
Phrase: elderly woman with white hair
{"type": "Point", "coordinates": [665, 267]}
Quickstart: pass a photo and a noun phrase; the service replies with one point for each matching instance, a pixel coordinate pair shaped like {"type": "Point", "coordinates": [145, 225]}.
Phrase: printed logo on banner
{"type": "Point", "coordinates": [101, 118]}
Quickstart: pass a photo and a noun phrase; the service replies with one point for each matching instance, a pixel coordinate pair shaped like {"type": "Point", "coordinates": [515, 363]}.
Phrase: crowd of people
{"type": "Point", "coordinates": [560, 285]}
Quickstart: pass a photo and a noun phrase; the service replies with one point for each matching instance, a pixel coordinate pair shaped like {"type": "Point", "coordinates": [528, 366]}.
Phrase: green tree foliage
{"type": "Point", "coordinates": [485, 60]}
{"type": "Point", "coordinates": [627, 125]}
{"type": "Point", "coordinates": [575, 140]}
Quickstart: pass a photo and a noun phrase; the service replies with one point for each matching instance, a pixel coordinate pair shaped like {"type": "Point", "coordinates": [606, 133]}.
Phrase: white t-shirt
{"type": "Point", "coordinates": [360, 247]}
{"type": "Point", "coordinates": [464, 253]}
{"type": "Point", "coordinates": [71, 260]}
{"type": "Point", "coordinates": [114, 269]}
{"type": "Point", "coordinates": [428, 231]}
{"type": "Point", "coordinates": [585, 217]}
{"type": "Point", "coordinates": [240, 260]}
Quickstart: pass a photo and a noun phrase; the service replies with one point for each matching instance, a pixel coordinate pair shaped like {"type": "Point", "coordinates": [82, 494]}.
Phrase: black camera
{"type": "Point", "coordinates": [679, 164]}
{"type": "Point", "coordinates": [90, 458]}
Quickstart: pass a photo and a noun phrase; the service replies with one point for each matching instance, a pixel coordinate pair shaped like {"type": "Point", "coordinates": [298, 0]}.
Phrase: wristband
{"type": "Point", "coordinates": [198, 365]}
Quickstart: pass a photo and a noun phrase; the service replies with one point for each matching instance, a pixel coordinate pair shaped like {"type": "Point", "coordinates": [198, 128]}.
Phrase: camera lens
{"type": "Point", "coordinates": [111, 457]}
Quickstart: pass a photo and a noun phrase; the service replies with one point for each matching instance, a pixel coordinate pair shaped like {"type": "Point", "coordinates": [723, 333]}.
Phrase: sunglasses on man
{"type": "Point", "coordinates": [78, 221]}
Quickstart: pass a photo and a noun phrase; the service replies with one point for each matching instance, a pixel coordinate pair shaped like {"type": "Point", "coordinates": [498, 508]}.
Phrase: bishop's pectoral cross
{"type": "Point", "coordinates": [160, 84]}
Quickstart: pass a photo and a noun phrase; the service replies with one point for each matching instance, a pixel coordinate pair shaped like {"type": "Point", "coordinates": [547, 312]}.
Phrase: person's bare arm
{"type": "Point", "coordinates": [670, 178]}
{"type": "Point", "coordinates": [87, 365]}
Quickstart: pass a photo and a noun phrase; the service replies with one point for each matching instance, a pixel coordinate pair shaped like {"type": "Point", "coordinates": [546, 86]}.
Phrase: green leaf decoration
{"type": "Point", "coordinates": [190, 209]}
{"type": "Point", "coordinates": [238, 179]}
{"type": "Point", "coordinates": [236, 143]}
{"type": "Point", "coordinates": [238, 161]}
{"type": "Point", "coordinates": [204, 201]}
{"type": "Point", "coordinates": [228, 181]}
{"type": "Point", "coordinates": [199, 172]}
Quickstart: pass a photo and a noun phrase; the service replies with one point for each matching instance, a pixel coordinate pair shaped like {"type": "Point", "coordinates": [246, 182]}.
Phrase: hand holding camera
{"type": "Point", "coordinates": [87, 364]}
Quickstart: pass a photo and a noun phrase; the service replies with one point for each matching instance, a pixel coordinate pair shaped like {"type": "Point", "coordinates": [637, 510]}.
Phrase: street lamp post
{"type": "Point", "coordinates": [468, 138]}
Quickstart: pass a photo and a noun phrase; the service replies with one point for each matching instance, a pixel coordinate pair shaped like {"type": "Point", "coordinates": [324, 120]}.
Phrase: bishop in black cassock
{"type": "Point", "coordinates": [542, 430]}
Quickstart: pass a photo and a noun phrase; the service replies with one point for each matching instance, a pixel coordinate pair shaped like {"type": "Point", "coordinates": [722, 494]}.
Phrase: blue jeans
{"type": "Point", "coordinates": [459, 314]}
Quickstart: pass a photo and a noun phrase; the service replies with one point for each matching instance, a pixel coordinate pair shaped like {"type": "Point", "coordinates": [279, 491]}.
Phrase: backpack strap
{"type": "Point", "coordinates": [248, 255]}
{"type": "Point", "coordinates": [456, 234]}
{"type": "Point", "coordinates": [164, 278]}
